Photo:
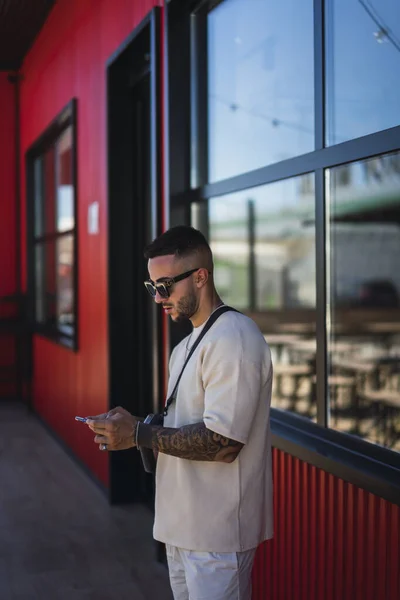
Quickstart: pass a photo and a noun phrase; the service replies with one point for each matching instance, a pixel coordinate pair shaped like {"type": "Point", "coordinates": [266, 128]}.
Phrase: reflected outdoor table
{"type": "Point", "coordinates": [310, 345]}
{"type": "Point", "coordinates": [299, 328]}
{"type": "Point", "coordinates": [361, 370]}
{"type": "Point", "coordinates": [280, 341]}
{"type": "Point", "coordinates": [385, 331]}
{"type": "Point", "coordinates": [388, 402]}
{"type": "Point", "coordinates": [338, 384]}
{"type": "Point", "coordinates": [392, 327]}
{"type": "Point", "coordinates": [354, 365]}
{"type": "Point", "coordinates": [297, 372]}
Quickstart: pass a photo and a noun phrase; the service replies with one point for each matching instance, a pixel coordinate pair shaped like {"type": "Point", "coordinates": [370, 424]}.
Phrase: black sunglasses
{"type": "Point", "coordinates": [163, 287]}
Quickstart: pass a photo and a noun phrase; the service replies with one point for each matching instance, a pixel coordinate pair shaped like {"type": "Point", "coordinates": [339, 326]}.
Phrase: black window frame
{"type": "Point", "coordinates": [369, 466]}
{"type": "Point", "coordinates": [67, 117]}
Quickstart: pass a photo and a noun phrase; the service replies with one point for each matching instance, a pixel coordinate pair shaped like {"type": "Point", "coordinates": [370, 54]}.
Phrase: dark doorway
{"type": "Point", "coordinates": [133, 211]}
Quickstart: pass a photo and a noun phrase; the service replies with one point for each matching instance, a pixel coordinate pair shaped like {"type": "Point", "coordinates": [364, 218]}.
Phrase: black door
{"type": "Point", "coordinates": [132, 318]}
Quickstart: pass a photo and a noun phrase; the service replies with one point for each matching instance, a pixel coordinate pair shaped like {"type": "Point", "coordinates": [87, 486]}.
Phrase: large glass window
{"type": "Point", "coordinates": [362, 67]}
{"type": "Point", "coordinates": [51, 162]}
{"type": "Point", "coordinates": [306, 238]}
{"type": "Point", "coordinates": [364, 343]}
{"type": "Point", "coordinates": [260, 84]}
{"type": "Point", "coordinates": [263, 240]}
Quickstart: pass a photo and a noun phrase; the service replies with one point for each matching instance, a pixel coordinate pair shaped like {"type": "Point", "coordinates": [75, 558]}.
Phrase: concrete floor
{"type": "Point", "coordinates": [59, 538]}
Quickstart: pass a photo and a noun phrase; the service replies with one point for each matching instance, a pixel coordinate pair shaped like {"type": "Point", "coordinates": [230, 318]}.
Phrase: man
{"type": "Point", "coordinates": [213, 479]}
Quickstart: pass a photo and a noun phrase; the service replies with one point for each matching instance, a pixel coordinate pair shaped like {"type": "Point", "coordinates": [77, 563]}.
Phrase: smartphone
{"type": "Point", "coordinates": [81, 419]}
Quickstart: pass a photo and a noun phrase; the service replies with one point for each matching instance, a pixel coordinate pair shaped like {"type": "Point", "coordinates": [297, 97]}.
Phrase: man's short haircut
{"type": "Point", "coordinates": [181, 241]}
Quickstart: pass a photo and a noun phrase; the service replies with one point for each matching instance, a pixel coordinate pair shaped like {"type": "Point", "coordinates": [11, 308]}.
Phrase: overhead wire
{"type": "Point", "coordinates": [274, 121]}
{"type": "Point", "coordinates": [379, 22]}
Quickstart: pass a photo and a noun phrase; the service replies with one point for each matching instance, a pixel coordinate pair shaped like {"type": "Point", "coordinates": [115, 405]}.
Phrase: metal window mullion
{"type": "Point", "coordinates": [199, 99]}
{"type": "Point", "coordinates": [381, 142]}
{"type": "Point", "coordinates": [156, 194]}
{"type": "Point", "coordinates": [319, 74]}
{"type": "Point", "coordinates": [321, 312]}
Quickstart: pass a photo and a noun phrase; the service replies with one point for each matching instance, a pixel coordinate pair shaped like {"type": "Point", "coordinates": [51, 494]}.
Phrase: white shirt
{"type": "Point", "coordinates": [213, 506]}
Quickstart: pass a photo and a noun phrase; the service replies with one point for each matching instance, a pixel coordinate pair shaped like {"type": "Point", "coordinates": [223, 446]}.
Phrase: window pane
{"type": "Point", "coordinates": [260, 84]}
{"type": "Point", "coordinates": [65, 281]}
{"type": "Point", "coordinates": [362, 67]}
{"type": "Point", "coordinates": [263, 240]}
{"type": "Point", "coordinates": [40, 307]}
{"type": "Point", "coordinates": [45, 282]}
{"type": "Point", "coordinates": [364, 345]}
{"type": "Point", "coordinates": [65, 188]}
{"type": "Point", "coordinates": [49, 190]}
{"type": "Point", "coordinates": [38, 173]}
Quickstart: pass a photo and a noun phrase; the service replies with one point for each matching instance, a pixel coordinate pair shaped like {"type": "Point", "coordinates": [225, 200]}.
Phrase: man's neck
{"type": "Point", "coordinates": [205, 310]}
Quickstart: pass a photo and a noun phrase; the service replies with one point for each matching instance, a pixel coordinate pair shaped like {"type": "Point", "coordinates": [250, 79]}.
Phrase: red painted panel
{"type": "Point", "coordinates": [8, 281]}
{"type": "Point", "coordinates": [7, 188]}
{"type": "Point", "coordinates": [332, 540]}
{"type": "Point", "coordinates": [69, 60]}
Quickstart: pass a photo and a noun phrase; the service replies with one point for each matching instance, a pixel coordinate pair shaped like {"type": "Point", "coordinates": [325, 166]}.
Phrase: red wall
{"type": "Point", "coordinates": [69, 60]}
{"type": "Point", "coordinates": [8, 283]}
{"type": "Point", "coordinates": [332, 541]}
{"type": "Point", "coordinates": [7, 188]}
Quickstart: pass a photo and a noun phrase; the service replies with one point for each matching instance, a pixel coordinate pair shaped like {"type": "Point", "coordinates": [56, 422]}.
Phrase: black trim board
{"type": "Point", "coordinates": [372, 468]}
{"type": "Point", "coordinates": [131, 37]}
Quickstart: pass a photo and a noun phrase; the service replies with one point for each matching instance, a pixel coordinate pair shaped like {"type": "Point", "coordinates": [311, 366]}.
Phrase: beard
{"type": "Point", "coordinates": [186, 307]}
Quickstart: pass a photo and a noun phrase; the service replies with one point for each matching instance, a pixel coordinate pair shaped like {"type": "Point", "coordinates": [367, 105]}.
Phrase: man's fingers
{"type": "Point", "coordinates": [101, 439]}
{"type": "Point", "coordinates": [100, 425]}
{"type": "Point", "coordinates": [117, 410]}
{"type": "Point", "coordinates": [98, 417]}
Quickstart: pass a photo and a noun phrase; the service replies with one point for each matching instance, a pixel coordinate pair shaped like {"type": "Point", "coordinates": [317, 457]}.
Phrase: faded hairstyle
{"type": "Point", "coordinates": [182, 242]}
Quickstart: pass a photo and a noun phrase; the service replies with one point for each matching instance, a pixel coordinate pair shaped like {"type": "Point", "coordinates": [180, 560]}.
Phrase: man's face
{"type": "Point", "coordinates": [182, 302]}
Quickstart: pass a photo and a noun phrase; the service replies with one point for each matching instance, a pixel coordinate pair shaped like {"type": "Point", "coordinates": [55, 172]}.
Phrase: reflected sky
{"type": "Point", "coordinates": [261, 78]}
{"type": "Point", "coordinates": [363, 67]}
{"type": "Point", "coordinates": [260, 84]}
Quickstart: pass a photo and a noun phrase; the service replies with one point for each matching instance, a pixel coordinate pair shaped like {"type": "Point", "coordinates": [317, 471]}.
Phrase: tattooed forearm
{"type": "Point", "coordinates": [193, 442]}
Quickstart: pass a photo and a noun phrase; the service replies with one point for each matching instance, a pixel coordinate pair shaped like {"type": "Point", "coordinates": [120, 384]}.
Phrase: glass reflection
{"type": "Point", "coordinates": [260, 84]}
{"type": "Point", "coordinates": [362, 67]}
{"type": "Point", "coordinates": [263, 240]}
{"type": "Point", "coordinates": [40, 308]}
{"type": "Point", "coordinates": [65, 280]}
{"type": "Point", "coordinates": [65, 187]}
{"type": "Point", "coordinates": [364, 349]}
{"type": "Point", "coordinates": [48, 191]}
{"type": "Point", "coordinates": [38, 195]}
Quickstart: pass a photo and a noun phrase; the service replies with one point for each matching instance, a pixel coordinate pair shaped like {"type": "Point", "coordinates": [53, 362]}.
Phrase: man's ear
{"type": "Point", "coordinates": [201, 277]}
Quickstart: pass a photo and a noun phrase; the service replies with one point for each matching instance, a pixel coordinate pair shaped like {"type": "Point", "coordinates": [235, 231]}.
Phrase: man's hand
{"type": "Point", "coordinates": [115, 429]}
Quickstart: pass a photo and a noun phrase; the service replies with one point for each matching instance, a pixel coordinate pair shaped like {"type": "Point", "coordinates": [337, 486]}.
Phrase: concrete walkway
{"type": "Point", "coordinates": [59, 538]}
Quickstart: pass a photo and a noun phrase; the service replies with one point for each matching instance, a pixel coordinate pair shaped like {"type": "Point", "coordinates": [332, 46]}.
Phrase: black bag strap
{"type": "Point", "coordinates": [214, 316]}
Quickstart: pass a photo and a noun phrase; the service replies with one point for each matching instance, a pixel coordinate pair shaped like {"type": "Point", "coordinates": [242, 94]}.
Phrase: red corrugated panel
{"type": "Point", "coordinates": [332, 540]}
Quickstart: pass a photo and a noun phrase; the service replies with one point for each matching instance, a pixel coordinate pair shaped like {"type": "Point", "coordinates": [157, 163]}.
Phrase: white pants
{"type": "Point", "coordinates": [210, 575]}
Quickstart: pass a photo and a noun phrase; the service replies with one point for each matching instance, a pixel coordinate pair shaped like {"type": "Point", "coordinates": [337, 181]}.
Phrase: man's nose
{"type": "Point", "coordinates": [157, 298]}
